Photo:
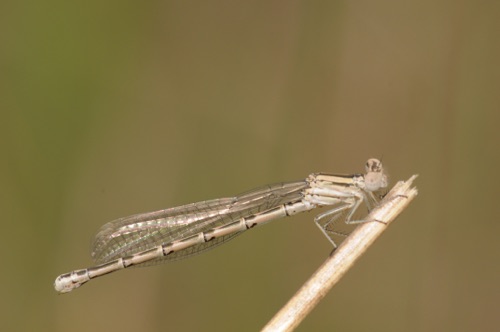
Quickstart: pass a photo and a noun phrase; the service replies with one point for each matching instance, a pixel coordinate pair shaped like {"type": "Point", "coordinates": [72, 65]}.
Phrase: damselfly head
{"type": "Point", "coordinates": [375, 178]}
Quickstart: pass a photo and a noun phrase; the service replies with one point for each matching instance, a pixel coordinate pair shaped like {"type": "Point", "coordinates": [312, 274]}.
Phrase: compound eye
{"type": "Point", "coordinates": [373, 165]}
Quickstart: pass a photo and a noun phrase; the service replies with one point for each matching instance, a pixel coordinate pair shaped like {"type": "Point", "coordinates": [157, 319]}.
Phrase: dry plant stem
{"type": "Point", "coordinates": [302, 303]}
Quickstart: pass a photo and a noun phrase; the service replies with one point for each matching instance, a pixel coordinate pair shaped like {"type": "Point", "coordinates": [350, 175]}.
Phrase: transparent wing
{"type": "Point", "coordinates": [133, 234]}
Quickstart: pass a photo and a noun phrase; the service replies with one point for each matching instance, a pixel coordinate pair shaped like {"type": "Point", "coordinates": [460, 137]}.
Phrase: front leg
{"type": "Point", "coordinates": [349, 201]}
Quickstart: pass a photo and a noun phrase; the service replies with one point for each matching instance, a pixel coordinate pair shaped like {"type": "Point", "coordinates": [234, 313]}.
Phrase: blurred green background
{"type": "Point", "coordinates": [115, 108]}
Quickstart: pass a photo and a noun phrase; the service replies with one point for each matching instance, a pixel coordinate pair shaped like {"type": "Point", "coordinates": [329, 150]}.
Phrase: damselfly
{"type": "Point", "coordinates": [179, 232]}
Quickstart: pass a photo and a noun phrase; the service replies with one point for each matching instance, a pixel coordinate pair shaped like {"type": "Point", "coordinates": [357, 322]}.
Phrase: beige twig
{"type": "Point", "coordinates": [302, 303]}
